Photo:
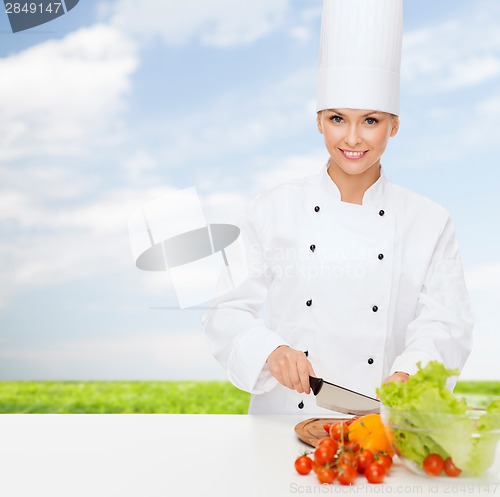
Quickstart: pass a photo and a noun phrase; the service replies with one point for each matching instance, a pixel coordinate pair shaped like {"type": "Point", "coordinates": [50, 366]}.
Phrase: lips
{"type": "Point", "coordinates": [353, 154]}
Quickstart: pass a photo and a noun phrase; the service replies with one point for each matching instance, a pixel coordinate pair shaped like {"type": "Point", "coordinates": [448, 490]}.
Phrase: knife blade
{"type": "Point", "coordinates": [341, 399]}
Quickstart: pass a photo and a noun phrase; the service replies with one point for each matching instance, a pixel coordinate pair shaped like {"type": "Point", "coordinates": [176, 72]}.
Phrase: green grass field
{"type": "Point", "coordinates": [179, 397]}
{"type": "Point", "coordinates": [131, 397]}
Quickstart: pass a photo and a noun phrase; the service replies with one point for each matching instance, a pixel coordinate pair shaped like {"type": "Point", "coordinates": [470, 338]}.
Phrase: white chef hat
{"type": "Point", "coordinates": [360, 55]}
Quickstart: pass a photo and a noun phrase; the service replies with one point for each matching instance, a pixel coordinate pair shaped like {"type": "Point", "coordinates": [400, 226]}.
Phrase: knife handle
{"type": "Point", "coordinates": [316, 384]}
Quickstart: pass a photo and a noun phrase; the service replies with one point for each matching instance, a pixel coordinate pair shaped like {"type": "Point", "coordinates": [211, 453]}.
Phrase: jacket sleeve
{"type": "Point", "coordinates": [442, 328]}
{"type": "Point", "coordinates": [235, 332]}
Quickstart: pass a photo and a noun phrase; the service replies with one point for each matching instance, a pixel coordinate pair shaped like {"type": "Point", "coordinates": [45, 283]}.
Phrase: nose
{"type": "Point", "coordinates": [353, 137]}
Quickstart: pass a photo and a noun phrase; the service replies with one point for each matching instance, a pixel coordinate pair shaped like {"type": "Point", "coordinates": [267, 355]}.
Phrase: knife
{"type": "Point", "coordinates": [337, 398]}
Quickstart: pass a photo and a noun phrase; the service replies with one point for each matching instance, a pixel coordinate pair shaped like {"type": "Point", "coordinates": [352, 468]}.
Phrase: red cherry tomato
{"type": "Point", "coordinates": [325, 475]}
{"type": "Point", "coordinates": [329, 441]}
{"type": "Point", "coordinates": [354, 418]}
{"type": "Point", "coordinates": [375, 473]}
{"type": "Point", "coordinates": [365, 458]}
{"type": "Point", "coordinates": [326, 427]}
{"type": "Point", "coordinates": [347, 458]}
{"type": "Point", "coordinates": [303, 465]}
{"type": "Point", "coordinates": [347, 474]}
{"type": "Point", "coordinates": [433, 464]}
{"type": "Point", "coordinates": [352, 446]}
{"type": "Point", "coordinates": [450, 469]}
{"type": "Point", "coordinates": [384, 460]}
{"type": "Point", "coordinates": [339, 431]}
{"type": "Point", "coordinates": [324, 454]}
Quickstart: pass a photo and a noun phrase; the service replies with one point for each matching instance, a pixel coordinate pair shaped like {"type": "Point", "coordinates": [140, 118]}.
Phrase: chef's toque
{"type": "Point", "coordinates": [360, 55]}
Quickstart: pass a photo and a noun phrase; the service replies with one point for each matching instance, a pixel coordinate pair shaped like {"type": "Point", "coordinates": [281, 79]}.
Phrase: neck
{"type": "Point", "coordinates": [352, 187]}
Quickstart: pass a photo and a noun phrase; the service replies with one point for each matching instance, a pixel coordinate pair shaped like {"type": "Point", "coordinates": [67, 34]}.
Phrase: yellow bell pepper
{"type": "Point", "coordinates": [369, 432]}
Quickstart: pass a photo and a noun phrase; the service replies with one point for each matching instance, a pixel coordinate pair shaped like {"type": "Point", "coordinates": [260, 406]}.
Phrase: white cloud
{"type": "Point", "coordinates": [483, 361]}
{"type": "Point", "coordinates": [227, 205]}
{"type": "Point", "coordinates": [301, 33]}
{"type": "Point", "coordinates": [60, 245]}
{"type": "Point", "coordinates": [483, 283]}
{"type": "Point", "coordinates": [241, 121]}
{"type": "Point", "coordinates": [63, 230]}
{"type": "Point", "coordinates": [63, 96]}
{"type": "Point", "coordinates": [173, 355]}
{"type": "Point", "coordinates": [304, 27]}
{"type": "Point", "coordinates": [219, 23]}
{"type": "Point", "coordinates": [312, 13]}
{"type": "Point", "coordinates": [473, 71]}
{"type": "Point", "coordinates": [490, 106]}
{"type": "Point", "coordinates": [87, 241]}
{"type": "Point", "coordinates": [35, 179]}
{"type": "Point", "coordinates": [139, 165]}
{"type": "Point", "coordinates": [485, 277]}
{"type": "Point", "coordinates": [459, 53]}
{"type": "Point", "coordinates": [277, 170]}
{"type": "Point", "coordinates": [224, 207]}
{"type": "Point", "coordinates": [106, 214]}
{"type": "Point", "coordinates": [77, 234]}
{"type": "Point", "coordinates": [483, 136]}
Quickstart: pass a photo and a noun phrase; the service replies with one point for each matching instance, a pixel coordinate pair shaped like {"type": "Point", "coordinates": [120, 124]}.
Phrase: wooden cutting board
{"type": "Point", "coordinates": [311, 431]}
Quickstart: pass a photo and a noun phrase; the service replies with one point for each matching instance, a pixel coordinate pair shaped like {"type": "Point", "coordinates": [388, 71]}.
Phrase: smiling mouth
{"type": "Point", "coordinates": [351, 154]}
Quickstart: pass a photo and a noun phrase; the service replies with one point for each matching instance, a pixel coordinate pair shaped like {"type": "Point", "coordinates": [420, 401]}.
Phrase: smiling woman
{"type": "Point", "coordinates": [396, 297]}
{"type": "Point", "coordinates": [115, 103]}
{"type": "Point", "coordinates": [355, 140]}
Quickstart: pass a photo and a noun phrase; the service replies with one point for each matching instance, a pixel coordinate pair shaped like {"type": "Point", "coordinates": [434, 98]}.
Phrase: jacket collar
{"type": "Point", "coordinates": [373, 195]}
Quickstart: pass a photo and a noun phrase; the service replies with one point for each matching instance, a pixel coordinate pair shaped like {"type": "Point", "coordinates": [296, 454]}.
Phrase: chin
{"type": "Point", "coordinates": [354, 170]}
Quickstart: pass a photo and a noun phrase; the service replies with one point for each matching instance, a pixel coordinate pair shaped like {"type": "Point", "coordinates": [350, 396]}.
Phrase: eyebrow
{"type": "Point", "coordinates": [364, 115]}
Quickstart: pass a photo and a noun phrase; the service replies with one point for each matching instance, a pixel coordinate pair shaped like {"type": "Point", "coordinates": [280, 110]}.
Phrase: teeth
{"type": "Point", "coordinates": [353, 154]}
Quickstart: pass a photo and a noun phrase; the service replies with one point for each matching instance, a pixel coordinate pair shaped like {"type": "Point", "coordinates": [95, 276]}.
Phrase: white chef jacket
{"type": "Point", "coordinates": [366, 290]}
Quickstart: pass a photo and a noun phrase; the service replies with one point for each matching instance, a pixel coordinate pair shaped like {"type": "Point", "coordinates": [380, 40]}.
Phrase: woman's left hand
{"type": "Point", "coordinates": [397, 376]}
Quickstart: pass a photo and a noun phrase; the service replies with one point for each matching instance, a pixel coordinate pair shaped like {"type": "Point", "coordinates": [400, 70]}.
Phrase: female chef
{"type": "Point", "coordinates": [361, 279]}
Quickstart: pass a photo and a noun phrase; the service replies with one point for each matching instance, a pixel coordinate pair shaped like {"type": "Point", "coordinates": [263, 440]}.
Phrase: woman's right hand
{"type": "Point", "coordinates": [291, 368]}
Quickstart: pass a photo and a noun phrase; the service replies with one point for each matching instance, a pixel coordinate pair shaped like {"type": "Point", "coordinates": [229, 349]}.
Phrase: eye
{"type": "Point", "coordinates": [371, 120]}
{"type": "Point", "coordinates": [336, 119]}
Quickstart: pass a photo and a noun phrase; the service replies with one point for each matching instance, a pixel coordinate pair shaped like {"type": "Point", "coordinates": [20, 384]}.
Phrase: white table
{"type": "Point", "coordinates": [179, 455]}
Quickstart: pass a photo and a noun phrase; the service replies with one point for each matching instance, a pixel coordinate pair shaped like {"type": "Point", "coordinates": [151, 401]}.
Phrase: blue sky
{"type": "Point", "coordinates": [119, 102]}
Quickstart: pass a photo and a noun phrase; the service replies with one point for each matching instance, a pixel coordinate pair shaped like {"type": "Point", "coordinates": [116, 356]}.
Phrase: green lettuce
{"type": "Point", "coordinates": [427, 418]}
{"type": "Point", "coordinates": [484, 446]}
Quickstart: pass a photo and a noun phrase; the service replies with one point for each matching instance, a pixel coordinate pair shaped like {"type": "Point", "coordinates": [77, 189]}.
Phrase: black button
{"type": "Point", "coordinates": [309, 303]}
{"type": "Point", "coordinates": [370, 360]}
{"type": "Point", "coordinates": [312, 247]}
{"type": "Point", "coordinates": [381, 212]}
{"type": "Point", "coordinates": [374, 308]}
{"type": "Point", "coordinates": [316, 209]}
{"type": "Point", "coordinates": [380, 256]}
{"type": "Point", "coordinates": [301, 405]}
